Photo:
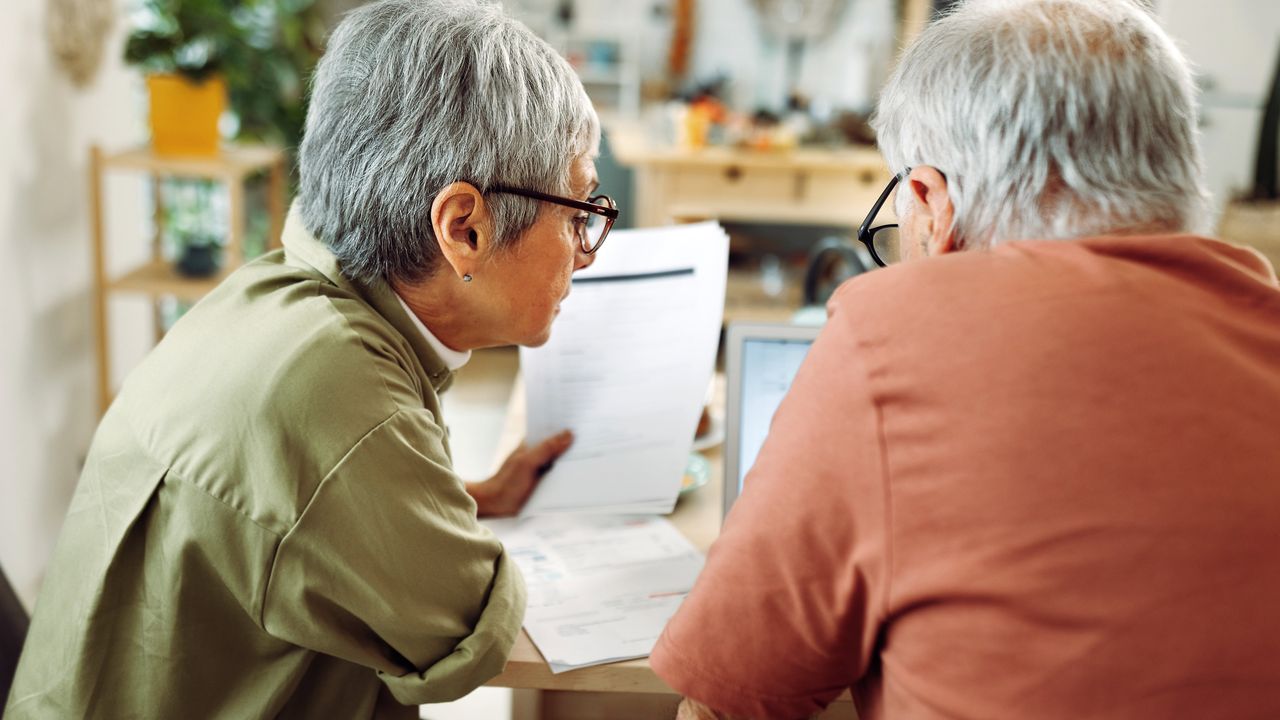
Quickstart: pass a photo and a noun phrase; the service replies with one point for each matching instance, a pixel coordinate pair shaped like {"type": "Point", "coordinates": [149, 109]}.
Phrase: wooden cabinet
{"type": "Point", "coordinates": [796, 187]}
{"type": "Point", "coordinates": [157, 278]}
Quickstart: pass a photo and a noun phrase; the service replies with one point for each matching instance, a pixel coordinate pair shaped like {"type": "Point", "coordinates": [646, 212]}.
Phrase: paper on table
{"type": "Point", "coordinates": [626, 369]}
{"type": "Point", "coordinates": [600, 589]}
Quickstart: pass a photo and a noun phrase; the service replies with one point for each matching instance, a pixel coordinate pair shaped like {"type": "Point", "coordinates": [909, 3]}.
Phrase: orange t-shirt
{"type": "Point", "coordinates": [1037, 482]}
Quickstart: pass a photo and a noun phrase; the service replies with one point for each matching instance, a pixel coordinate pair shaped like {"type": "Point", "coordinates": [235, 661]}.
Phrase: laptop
{"type": "Point", "coordinates": [760, 363]}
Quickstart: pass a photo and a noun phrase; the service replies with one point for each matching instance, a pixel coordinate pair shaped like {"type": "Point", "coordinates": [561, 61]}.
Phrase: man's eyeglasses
{"type": "Point", "coordinates": [882, 240]}
{"type": "Point", "coordinates": [590, 229]}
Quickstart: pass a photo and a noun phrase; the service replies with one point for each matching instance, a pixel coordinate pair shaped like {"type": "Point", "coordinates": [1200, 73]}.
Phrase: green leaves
{"type": "Point", "coordinates": [145, 47]}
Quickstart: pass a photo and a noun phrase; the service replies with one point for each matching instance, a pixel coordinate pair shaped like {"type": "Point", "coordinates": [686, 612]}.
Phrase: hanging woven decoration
{"type": "Point", "coordinates": [78, 31]}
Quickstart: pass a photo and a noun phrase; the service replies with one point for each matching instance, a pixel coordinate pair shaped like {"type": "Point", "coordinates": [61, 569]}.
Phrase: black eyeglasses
{"type": "Point", "coordinates": [592, 229]}
{"type": "Point", "coordinates": [882, 240]}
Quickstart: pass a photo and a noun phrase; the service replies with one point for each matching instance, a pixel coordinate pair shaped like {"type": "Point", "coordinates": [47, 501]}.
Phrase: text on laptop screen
{"type": "Point", "coordinates": [768, 367]}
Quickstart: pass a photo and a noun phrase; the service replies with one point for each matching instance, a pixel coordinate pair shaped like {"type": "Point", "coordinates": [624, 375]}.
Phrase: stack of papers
{"type": "Point", "coordinates": [627, 369]}
{"type": "Point", "coordinates": [601, 589]}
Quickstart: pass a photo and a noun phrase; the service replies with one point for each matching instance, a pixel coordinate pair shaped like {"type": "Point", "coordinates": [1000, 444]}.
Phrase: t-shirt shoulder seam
{"type": "Point", "coordinates": [886, 487]}
{"type": "Point", "coordinates": [882, 448]}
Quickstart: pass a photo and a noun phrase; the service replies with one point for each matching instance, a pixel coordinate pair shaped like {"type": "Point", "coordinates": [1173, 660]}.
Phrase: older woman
{"type": "Point", "coordinates": [268, 524]}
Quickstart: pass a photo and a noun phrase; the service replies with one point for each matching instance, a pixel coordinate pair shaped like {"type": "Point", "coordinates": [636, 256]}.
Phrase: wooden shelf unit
{"type": "Point", "coordinates": [157, 278]}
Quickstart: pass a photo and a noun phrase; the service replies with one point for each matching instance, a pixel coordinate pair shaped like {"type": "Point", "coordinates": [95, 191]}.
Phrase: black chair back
{"type": "Point", "coordinates": [13, 631]}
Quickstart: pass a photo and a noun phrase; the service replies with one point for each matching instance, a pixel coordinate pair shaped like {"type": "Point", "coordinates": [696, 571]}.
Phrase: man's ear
{"type": "Point", "coordinates": [460, 218]}
{"type": "Point", "coordinates": [928, 188]}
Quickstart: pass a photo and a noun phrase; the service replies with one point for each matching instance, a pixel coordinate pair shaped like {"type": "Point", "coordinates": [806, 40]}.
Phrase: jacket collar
{"type": "Point", "coordinates": [305, 250]}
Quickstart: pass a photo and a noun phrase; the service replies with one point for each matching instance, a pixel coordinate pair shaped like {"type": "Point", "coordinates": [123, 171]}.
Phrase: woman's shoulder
{"type": "Point", "coordinates": [311, 337]}
{"type": "Point", "coordinates": [273, 363]}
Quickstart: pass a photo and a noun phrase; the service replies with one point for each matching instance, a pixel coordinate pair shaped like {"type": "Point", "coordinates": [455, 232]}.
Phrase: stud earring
{"type": "Point", "coordinates": [466, 278]}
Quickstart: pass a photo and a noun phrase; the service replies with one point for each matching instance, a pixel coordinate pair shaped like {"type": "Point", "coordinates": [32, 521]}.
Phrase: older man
{"type": "Point", "coordinates": [268, 524]}
{"type": "Point", "coordinates": [1034, 472]}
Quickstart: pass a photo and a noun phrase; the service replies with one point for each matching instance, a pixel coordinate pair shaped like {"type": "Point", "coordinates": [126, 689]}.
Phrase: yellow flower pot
{"type": "Point", "coordinates": [184, 114]}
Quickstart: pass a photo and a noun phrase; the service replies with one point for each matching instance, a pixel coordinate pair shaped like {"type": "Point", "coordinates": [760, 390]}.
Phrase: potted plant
{"type": "Point", "coordinates": [203, 57]}
{"type": "Point", "coordinates": [192, 228]}
{"type": "Point", "coordinates": [251, 57]}
{"type": "Point", "coordinates": [180, 44]}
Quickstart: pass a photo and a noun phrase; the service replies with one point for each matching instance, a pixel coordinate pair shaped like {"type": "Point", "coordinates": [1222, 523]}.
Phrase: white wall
{"type": "Point", "coordinates": [1233, 46]}
{"type": "Point", "coordinates": [47, 412]}
{"type": "Point", "coordinates": [844, 69]}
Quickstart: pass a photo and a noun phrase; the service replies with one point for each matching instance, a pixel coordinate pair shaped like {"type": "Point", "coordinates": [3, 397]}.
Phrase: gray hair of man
{"type": "Point", "coordinates": [1051, 119]}
{"type": "Point", "coordinates": [412, 95]}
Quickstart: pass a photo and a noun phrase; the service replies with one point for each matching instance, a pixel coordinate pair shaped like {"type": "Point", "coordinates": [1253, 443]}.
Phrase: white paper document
{"type": "Point", "coordinates": [627, 369]}
{"type": "Point", "coordinates": [601, 588]}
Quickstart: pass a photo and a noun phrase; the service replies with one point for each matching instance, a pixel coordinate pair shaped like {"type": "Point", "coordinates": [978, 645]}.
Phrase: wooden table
{"type": "Point", "coordinates": [622, 690]}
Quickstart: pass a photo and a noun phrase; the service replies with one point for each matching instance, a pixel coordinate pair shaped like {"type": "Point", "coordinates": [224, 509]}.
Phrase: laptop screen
{"type": "Point", "coordinates": [768, 367]}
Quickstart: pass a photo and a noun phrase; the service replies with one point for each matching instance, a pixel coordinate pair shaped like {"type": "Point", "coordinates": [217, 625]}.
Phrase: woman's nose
{"type": "Point", "coordinates": [582, 260]}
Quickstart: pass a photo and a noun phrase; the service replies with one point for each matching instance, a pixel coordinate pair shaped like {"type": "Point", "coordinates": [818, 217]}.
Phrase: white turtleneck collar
{"type": "Point", "coordinates": [453, 359]}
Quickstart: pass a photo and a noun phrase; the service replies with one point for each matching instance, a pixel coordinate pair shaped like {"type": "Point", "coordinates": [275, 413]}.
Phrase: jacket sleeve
{"type": "Point", "coordinates": [784, 616]}
{"type": "Point", "coordinates": [387, 567]}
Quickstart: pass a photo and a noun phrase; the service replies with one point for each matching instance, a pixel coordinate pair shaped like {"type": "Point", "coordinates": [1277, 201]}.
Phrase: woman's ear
{"type": "Point", "coordinates": [928, 188]}
{"type": "Point", "coordinates": [460, 218]}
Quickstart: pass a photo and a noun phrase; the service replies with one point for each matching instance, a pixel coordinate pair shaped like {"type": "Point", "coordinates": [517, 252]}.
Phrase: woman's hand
{"type": "Point", "coordinates": [506, 492]}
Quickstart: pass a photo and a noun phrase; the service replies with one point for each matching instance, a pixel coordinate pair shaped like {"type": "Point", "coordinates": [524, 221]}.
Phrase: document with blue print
{"type": "Point", "coordinates": [626, 370]}
{"type": "Point", "coordinates": [600, 588]}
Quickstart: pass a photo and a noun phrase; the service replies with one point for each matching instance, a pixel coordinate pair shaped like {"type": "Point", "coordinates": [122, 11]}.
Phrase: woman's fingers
{"type": "Point", "coordinates": [540, 456]}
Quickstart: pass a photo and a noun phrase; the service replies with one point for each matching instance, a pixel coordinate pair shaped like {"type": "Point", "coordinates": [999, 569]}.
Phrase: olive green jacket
{"type": "Point", "coordinates": [268, 524]}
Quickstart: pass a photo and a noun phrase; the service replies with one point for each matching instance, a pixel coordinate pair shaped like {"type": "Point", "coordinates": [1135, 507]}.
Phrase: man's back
{"type": "Point", "coordinates": [1042, 481]}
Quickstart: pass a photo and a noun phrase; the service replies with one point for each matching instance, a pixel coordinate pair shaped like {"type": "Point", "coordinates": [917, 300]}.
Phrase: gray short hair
{"type": "Point", "coordinates": [1051, 119]}
{"type": "Point", "coordinates": [412, 95]}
